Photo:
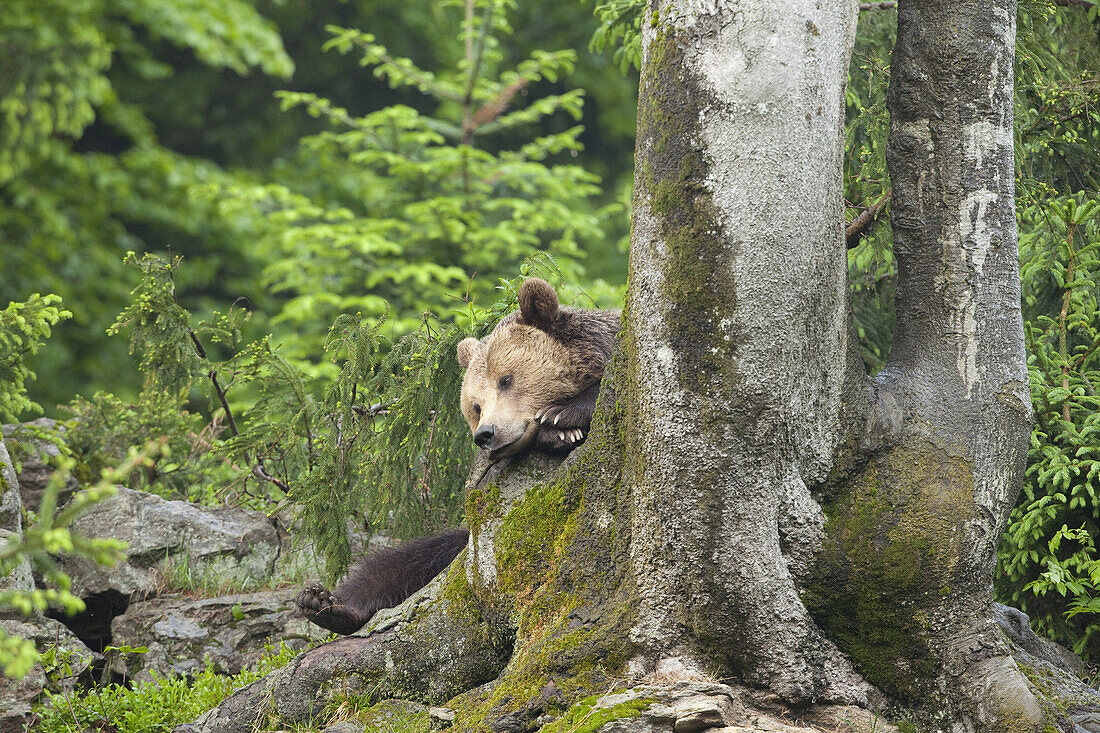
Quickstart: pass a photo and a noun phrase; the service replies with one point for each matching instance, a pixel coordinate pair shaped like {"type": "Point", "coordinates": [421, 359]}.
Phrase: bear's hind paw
{"type": "Point", "coordinates": [319, 606]}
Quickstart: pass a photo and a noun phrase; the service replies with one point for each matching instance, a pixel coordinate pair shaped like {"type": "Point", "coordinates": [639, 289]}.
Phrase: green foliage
{"type": "Point", "coordinates": [23, 328]}
{"type": "Point", "coordinates": [173, 360]}
{"type": "Point", "coordinates": [156, 705]}
{"type": "Point", "coordinates": [392, 210]}
{"type": "Point", "coordinates": [1041, 555]}
{"type": "Point", "coordinates": [871, 267]}
{"type": "Point", "coordinates": [82, 175]}
{"type": "Point", "coordinates": [1046, 565]}
{"type": "Point", "coordinates": [620, 29]}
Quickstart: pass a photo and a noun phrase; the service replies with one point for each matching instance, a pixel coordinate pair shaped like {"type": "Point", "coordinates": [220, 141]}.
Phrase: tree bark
{"type": "Point", "coordinates": [905, 583]}
{"type": "Point", "coordinates": [744, 380]}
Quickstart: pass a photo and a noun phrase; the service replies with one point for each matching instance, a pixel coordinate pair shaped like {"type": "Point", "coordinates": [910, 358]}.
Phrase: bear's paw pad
{"type": "Point", "coordinates": [319, 606]}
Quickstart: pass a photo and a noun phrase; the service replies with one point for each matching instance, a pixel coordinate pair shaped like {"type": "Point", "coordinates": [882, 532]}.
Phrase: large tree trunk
{"type": "Point", "coordinates": [905, 584]}
{"type": "Point", "coordinates": [742, 377]}
{"type": "Point", "coordinates": [749, 504]}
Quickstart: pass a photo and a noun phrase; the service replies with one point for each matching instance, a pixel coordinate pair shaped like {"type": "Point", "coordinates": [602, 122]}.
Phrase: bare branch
{"type": "Point", "coordinates": [859, 226]}
{"type": "Point", "coordinates": [260, 472]}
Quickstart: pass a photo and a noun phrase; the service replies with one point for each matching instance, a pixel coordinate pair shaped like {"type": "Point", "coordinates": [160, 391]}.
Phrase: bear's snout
{"type": "Point", "coordinates": [483, 436]}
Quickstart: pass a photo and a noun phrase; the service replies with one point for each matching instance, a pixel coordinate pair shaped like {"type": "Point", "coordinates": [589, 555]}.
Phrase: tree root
{"type": "Point", "coordinates": [431, 648]}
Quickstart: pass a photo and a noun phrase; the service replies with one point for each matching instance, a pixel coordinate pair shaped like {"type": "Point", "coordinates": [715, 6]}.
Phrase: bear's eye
{"type": "Point", "coordinates": [505, 382]}
{"type": "Point", "coordinates": [477, 409]}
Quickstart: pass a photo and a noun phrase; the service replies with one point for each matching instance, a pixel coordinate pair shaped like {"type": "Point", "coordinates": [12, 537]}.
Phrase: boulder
{"type": "Point", "coordinates": [17, 696]}
{"type": "Point", "coordinates": [220, 541]}
{"type": "Point", "coordinates": [37, 458]}
{"type": "Point", "coordinates": [11, 516]}
{"type": "Point", "coordinates": [1055, 674]}
{"type": "Point", "coordinates": [693, 706]}
{"type": "Point", "coordinates": [171, 544]}
{"type": "Point", "coordinates": [231, 632]}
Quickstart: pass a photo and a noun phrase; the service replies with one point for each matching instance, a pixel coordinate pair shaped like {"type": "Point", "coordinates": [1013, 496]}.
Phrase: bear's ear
{"type": "Point", "coordinates": [467, 348]}
{"type": "Point", "coordinates": [538, 303]}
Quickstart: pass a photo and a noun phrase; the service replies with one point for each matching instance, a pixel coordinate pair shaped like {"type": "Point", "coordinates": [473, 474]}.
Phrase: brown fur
{"type": "Point", "coordinates": [554, 357]}
{"type": "Point", "coordinates": [382, 579]}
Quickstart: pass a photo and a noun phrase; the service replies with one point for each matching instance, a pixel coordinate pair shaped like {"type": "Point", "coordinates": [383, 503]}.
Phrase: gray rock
{"type": "Point", "coordinates": [231, 632]}
{"type": "Point", "coordinates": [219, 542]}
{"type": "Point", "coordinates": [441, 718]}
{"type": "Point", "coordinates": [47, 633]}
{"type": "Point", "coordinates": [16, 699]}
{"type": "Point", "coordinates": [683, 707]}
{"type": "Point", "coordinates": [17, 696]}
{"type": "Point", "coordinates": [393, 715]}
{"type": "Point", "coordinates": [37, 458]}
{"type": "Point", "coordinates": [345, 726]}
{"type": "Point", "coordinates": [692, 706]}
{"type": "Point", "coordinates": [11, 519]}
{"type": "Point", "coordinates": [1086, 722]}
{"type": "Point", "coordinates": [1054, 673]}
{"type": "Point", "coordinates": [1017, 627]}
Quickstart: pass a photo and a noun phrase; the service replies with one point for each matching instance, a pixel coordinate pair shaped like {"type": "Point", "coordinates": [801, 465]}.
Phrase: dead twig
{"type": "Point", "coordinates": [258, 469]}
{"type": "Point", "coordinates": [859, 226]}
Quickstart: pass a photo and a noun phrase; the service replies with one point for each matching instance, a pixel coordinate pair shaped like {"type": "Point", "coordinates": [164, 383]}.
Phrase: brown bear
{"type": "Point", "coordinates": [532, 382]}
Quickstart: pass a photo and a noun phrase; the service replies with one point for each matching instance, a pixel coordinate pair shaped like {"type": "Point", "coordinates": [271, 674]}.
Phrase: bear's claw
{"type": "Point", "coordinates": [550, 439]}
{"type": "Point", "coordinates": [318, 605]}
{"type": "Point", "coordinates": [562, 417]}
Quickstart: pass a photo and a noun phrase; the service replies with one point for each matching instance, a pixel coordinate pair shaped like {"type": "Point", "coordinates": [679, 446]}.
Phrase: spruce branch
{"type": "Point", "coordinates": [475, 62]}
{"type": "Point", "coordinates": [492, 109]}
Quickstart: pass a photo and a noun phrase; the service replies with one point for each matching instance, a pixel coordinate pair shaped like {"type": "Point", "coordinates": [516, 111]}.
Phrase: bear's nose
{"type": "Point", "coordinates": [484, 435]}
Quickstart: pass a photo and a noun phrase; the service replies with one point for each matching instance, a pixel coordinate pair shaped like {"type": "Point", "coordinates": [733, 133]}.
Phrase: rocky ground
{"type": "Point", "coordinates": [139, 602]}
{"type": "Point", "coordinates": [175, 543]}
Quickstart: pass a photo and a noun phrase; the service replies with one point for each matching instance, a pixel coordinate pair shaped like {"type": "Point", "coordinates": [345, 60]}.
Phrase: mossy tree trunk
{"type": "Point", "coordinates": [753, 504]}
{"type": "Point", "coordinates": [904, 583]}
{"type": "Point", "coordinates": [749, 504]}
{"type": "Point", "coordinates": [791, 518]}
{"type": "Point", "coordinates": [743, 379]}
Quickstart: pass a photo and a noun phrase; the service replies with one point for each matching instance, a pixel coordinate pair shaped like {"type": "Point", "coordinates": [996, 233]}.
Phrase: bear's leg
{"type": "Point", "coordinates": [382, 579]}
{"type": "Point", "coordinates": [564, 426]}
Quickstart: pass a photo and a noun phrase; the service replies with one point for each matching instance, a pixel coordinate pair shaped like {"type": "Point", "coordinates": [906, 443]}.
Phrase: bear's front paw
{"type": "Point", "coordinates": [326, 610]}
{"type": "Point", "coordinates": [554, 440]}
{"type": "Point", "coordinates": [562, 418]}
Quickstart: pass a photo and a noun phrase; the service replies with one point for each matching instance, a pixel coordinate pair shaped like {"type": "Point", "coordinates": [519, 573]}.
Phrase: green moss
{"type": "Point", "coordinates": [572, 625]}
{"type": "Point", "coordinates": [905, 726]}
{"type": "Point", "coordinates": [391, 715]}
{"type": "Point", "coordinates": [529, 540]}
{"type": "Point", "coordinates": [482, 505]}
{"type": "Point", "coordinates": [458, 596]}
{"type": "Point", "coordinates": [890, 559]}
{"type": "Point", "coordinates": [584, 717]}
{"type": "Point", "coordinates": [697, 285]}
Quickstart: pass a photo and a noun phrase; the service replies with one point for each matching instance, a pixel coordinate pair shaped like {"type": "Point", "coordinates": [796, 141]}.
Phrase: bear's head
{"type": "Point", "coordinates": [519, 368]}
